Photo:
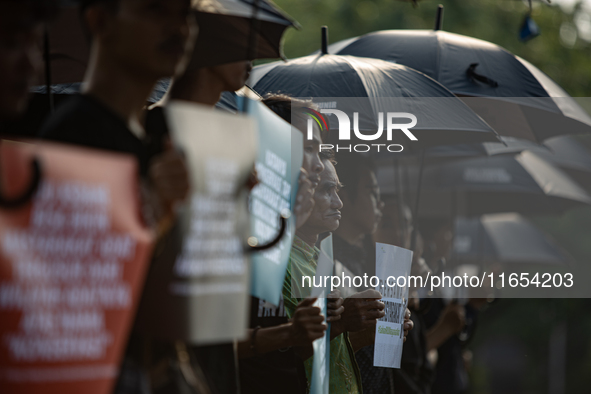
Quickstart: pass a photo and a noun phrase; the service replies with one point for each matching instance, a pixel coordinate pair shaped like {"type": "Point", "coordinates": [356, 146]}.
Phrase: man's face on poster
{"type": "Point", "coordinates": [312, 162]}
{"type": "Point", "coordinates": [326, 214]}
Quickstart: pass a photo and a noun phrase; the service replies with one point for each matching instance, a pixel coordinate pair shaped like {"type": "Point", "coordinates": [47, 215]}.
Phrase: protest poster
{"type": "Point", "coordinates": [198, 285]}
{"type": "Point", "coordinates": [321, 346]}
{"type": "Point", "coordinates": [278, 168]}
{"type": "Point", "coordinates": [392, 268]}
{"type": "Point", "coordinates": [72, 264]}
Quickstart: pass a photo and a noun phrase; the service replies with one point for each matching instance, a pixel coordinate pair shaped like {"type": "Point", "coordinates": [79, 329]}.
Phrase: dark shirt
{"type": "Point", "coordinates": [29, 124]}
{"type": "Point", "coordinates": [357, 260]}
{"type": "Point", "coordinates": [280, 371]}
{"type": "Point", "coordinates": [451, 376]}
{"type": "Point", "coordinates": [416, 373]}
{"type": "Point", "coordinates": [83, 120]}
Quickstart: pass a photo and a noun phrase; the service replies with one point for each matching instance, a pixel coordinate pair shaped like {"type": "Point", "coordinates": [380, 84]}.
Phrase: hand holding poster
{"type": "Point", "coordinates": [72, 264]}
{"type": "Point", "coordinates": [392, 263]}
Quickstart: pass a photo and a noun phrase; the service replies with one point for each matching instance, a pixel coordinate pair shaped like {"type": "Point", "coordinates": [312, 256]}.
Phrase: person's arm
{"type": "Point", "coordinates": [266, 340]}
{"type": "Point", "coordinates": [166, 184]}
{"type": "Point", "coordinates": [334, 311]}
{"type": "Point", "coordinates": [169, 176]}
{"type": "Point", "coordinates": [451, 322]}
{"type": "Point", "coordinates": [305, 327]}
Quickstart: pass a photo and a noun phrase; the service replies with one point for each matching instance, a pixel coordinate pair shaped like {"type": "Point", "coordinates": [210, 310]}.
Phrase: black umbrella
{"type": "Point", "coordinates": [512, 95]}
{"type": "Point", "coordinates": [371, 86]}
{"type": "Point", "coordinates": [570, 156]}
{"type": "Point", "coordinates": [446, 153]}
{"type": "Point", "coordinates": [229, 31]}
{"type": "Point", "coordinates": [565, 152]}
{"type": "Point", "coordinates": [523, 183]}
{"type": "Point", "coordinates": [224, 36]}
{"type": "Point", "coordinates": [507, 146]}
{"type": "Point", "coordinates": [234, 30]}
{"type": "Point", "coordinates": [504, 238]}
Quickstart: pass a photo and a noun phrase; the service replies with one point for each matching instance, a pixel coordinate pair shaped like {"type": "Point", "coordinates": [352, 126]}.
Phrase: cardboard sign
{"type": "Point", "coordinates": [198, 287]}
{"type": "Point", "coordinates": [392, 263]}
{"type": "Point", "coordinates": [278, 166]}
{"type": "Point", "coordinates": [72, 263]}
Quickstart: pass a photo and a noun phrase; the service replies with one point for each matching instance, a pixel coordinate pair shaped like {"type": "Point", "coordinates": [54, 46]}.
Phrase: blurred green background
{"type": "Point", "coordinates": [521, 346]}
{"type": "Point", "coordinates": [563, 49]}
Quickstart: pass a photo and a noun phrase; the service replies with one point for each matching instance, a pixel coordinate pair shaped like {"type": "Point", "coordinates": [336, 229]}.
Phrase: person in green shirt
{"type": "Point", "coordinates": [356, 327]}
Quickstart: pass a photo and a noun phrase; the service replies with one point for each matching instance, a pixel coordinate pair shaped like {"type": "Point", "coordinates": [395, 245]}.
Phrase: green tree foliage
{"type": "Point", "coordinates": [568, 62]}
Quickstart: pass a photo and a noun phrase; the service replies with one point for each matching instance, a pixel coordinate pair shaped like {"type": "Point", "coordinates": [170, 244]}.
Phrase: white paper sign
{"type": "Point", "coordinates": [393, 268]}
{"type": "Point", "coordinates": [199, 284]}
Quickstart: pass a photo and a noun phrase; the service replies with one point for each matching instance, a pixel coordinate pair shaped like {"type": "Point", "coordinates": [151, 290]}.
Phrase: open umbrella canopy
{"type": "Point", "coordinates": [564, 152]}
{"type": "Point", "coordinates": [523, 183]}
{"type": "Point", "coordinates": [569, 153]}
{"type": "Point", "coordinates": [507, 146]}
{"type": "Point", "coordinates": [533, 106]}
{"type": "Point", "coordinates": [224, 35]}
{"type": "Point", "coordinates": [447, 58]}
{"type": "Point", "coordinates": [372, 88]}
{"type": "Point", "coordinates": [228, 33]}
{"type": "Point", "coordinates": [504, 238]}
{"type": "Point", "coordinates": [570, 156]}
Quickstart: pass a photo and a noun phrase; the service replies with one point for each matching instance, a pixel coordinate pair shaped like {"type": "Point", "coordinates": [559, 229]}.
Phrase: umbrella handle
{"type": "Point", "coordinates": [324, 40]}
{"type": "Point", "coordinates": [253, 245]}
{"type": "Point", "coordinates": [439, 18]}
{"type": "Point", "coordinates": [474, 76]}
{"type": "Point", "coordinates": [24, 198]}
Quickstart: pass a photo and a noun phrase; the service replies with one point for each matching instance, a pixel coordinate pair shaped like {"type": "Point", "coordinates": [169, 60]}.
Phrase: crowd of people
{"type": "Point", "coordinates": [134, 44]}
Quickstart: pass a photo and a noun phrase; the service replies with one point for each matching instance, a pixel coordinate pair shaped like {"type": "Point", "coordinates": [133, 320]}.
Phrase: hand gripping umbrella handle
{"type": "Point", "coordinates": [16, 202]}
{"type": "Point", "coordinates": [473, 75]}
{"type": "Point", "coordinates": [253, 245]}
